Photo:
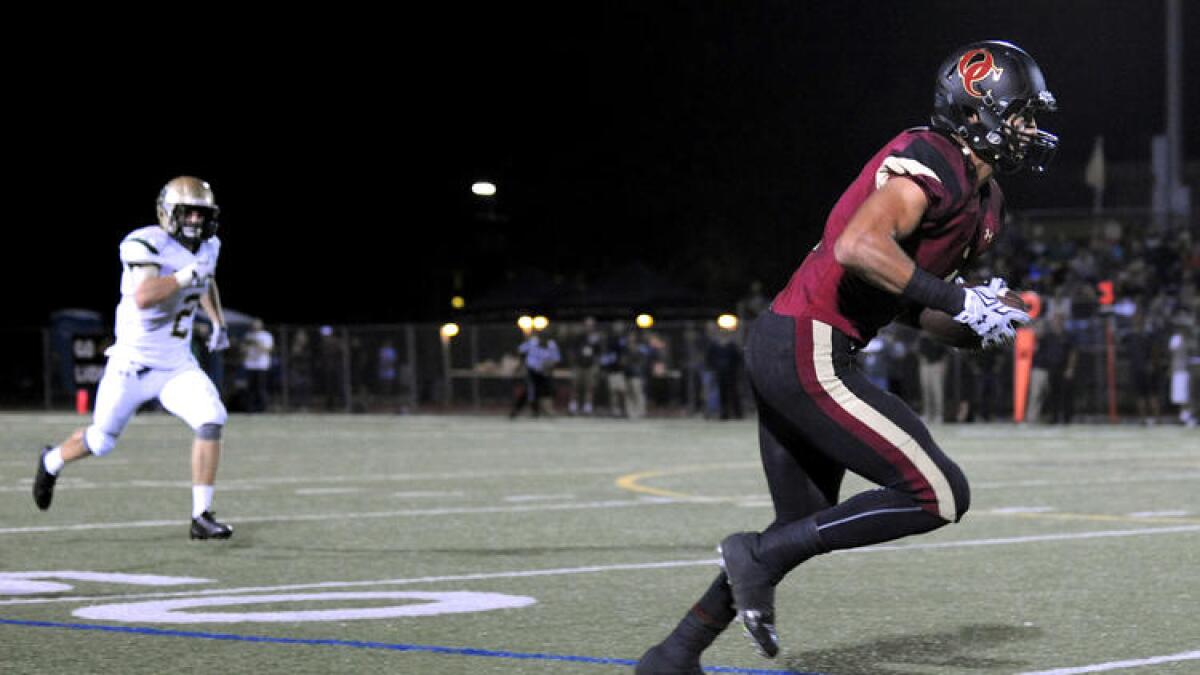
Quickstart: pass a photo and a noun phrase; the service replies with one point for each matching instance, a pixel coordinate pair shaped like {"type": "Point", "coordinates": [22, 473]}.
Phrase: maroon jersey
{"type": "Point", "coordinates": [959, 224]}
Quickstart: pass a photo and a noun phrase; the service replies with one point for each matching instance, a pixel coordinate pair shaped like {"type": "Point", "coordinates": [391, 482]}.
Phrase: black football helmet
{"type": "Point", "coordinates": [183, 196]}
{"type": "Point", "coordinates": [979, 89]}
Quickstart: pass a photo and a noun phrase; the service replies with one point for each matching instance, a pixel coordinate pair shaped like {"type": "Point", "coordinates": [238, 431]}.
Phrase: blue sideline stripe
{"type": "Point", "coordinates": [456, 651]}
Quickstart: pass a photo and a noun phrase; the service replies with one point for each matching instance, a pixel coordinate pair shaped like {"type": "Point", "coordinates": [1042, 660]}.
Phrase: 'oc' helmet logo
{"type": "Point", "coordinates": [974, 67]}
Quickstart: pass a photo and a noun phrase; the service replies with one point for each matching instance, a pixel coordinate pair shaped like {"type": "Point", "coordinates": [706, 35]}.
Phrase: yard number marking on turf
{"type": "Point", "coordinates": [428, 604]}
{"type": "Point", "coordinates": [171, 611]}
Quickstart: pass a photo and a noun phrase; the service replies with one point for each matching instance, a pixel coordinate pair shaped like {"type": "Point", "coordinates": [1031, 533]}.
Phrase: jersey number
{"type": "Point", "coordinates": [189, 308]}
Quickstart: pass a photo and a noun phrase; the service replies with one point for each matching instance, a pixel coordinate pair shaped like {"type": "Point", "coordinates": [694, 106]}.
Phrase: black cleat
{"type": "Point", "coordinates": [658, 660]}
{"type": "Point", "coordinates": [43, 482]}
{"type": "Point", "coordinates": [205, 526]}
{"type": "Point", "coordinates": [753, 591]}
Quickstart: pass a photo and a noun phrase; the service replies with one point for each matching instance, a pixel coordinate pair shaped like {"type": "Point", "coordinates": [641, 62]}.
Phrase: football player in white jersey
{"type": "Point", "coordinates": [167, 273]}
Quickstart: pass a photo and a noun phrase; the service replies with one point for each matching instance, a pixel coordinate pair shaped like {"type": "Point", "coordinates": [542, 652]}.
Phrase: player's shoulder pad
{"type": "Point", "coordinates": [214, 244]}
{"type": "Point", "coordinates": [145, 246]}
{"type": "Point", "coordinates": [932, 153]}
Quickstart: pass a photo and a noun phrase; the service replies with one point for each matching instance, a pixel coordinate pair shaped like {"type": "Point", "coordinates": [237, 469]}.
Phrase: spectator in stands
{"type": "Point", "coordinates": [257, 346]}
{"type": "Point", "coordinates": [931, 366]}
{"type": "Point", "coordinates": [584, 356]}
{"type": "Point", "coordinates": [539, 356]}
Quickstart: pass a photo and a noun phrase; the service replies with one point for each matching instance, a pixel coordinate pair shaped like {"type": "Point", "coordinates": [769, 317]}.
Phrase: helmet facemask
{"type": "Point", "coordinates": [1015, 147]}
{"type": "Point", "coordinates": [192, 225]}
{"type": "Point", "coordinates": [188, 211]}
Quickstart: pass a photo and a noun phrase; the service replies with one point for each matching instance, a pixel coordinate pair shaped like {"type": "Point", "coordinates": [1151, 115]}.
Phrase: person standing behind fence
{"type": "Point", "coordinates": [256, 359]}
{"type": "Point", "coordinates": [300, 370]}
{"type": "Point", "coordinates": [1179, 347]}
{"type": "Point", "coordinates": [725, 358]}
{"type": "Point", "coordinates": [612, 362]}
{"type": "Point", "coordinates": [931, 360]}
{"type": "Point", "coordinates": [540, 357]}
{"type": "Point", "coordinates": [584, 353]}
{"type": "Point", "coordinates": [1143, 349]}
{"type": "Point", "coordinates": [984, 386]}
{"type": "Point", "coordinates": [1053, 376]}
{"type": "Point", "coordinates": [386, 371]}
{"type": "Point", "coordinates": [333, 369]}
{"type": "Point", "coordinates": [637, 370]}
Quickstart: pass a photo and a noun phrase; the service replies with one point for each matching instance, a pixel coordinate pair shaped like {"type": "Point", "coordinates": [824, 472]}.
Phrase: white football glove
{"type": "Point", "coordinates": [219, 340]}
{"type": "Point", "coordinates": [190, 276]}
{"type": "Point", "coordinates": [986, 314]}
{"type": "Point", "coordinates": [197, 272]}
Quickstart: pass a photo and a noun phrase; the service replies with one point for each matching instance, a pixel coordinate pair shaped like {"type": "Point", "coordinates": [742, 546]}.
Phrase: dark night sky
{"type": "Point", "coordinates": [705, 139]}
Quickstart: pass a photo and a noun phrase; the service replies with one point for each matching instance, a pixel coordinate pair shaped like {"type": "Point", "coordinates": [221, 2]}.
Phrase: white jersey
{"type": "Point", "coordinates": [159, 336]}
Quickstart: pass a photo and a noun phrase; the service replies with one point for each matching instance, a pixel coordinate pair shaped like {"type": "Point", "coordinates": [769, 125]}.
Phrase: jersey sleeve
{"type": "Point", "coordinates": [936, 165]}
{"type": "Point", "coordinates": [138, 249]}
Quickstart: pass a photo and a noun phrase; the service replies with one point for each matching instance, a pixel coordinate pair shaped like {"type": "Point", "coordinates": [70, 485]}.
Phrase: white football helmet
{"type": "Point", "coordinates": [188, 211]}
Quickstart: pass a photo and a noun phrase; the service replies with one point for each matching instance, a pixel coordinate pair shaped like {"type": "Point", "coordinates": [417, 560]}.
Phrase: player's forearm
{"type": "Point", "coordinates": [211, 302]}
{"type": "Point", "coordinates": [876, 258]}
{"type": "Point", "coordinates": [154, 290]}
{"type": "Point", "coordinates": [869, 246]}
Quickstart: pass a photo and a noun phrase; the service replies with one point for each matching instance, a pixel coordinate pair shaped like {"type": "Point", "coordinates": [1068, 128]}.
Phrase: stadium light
{"type": "Point", "coordinates": [449, 330]}
{"type": "Point", "coordinates": [457, 302]}
{"type": "Point", "coordinates": [540, 323]}
{"type": "Point", "coordinates": [644, 320]}
{"type": "Point", "coordinates": [727, 322]}
{"type": "Point", "coordinates": [525, 323]}
{"type": "Point", "coordinates": [484, 188]}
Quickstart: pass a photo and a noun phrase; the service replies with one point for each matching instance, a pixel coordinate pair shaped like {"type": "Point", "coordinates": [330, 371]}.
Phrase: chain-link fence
{"type": "Point", "coordinates": [405, 368]}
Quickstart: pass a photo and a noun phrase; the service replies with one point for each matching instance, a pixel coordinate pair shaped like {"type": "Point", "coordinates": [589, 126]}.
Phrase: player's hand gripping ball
{"type": "Point", "coordinates": [950, 332]}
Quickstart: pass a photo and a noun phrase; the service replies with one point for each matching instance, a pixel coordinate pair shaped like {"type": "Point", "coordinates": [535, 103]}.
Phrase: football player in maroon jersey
{"type": "Point", "coordinates": [922, 209]}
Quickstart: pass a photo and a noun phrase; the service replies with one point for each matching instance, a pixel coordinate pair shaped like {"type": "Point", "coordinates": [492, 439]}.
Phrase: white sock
{"type": "Point", "coordinates": [53, 461]}
{"type": "Point", "coordinates": [201, 499]}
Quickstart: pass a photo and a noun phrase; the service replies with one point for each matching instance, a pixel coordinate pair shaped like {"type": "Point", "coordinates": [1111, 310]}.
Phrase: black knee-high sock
{"type": "Point", "coordinates": [715, 607]}
{"type": "Point", "coordinates": [706, 619]}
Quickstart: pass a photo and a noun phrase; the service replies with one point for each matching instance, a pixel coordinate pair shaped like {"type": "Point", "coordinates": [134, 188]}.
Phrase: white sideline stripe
{"type": "Point", "coordinates": [259, 483]}
{"type": "Point", "coordinates": [463, 510]}
{"type": "Point", "coordinates": [242, 485]}
{"type": "Point", "coordinates": [669, 564]}
{"type": "Point", "coordinates": [1118, 665]}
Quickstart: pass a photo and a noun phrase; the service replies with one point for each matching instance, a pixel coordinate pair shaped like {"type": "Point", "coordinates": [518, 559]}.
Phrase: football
{"type": "Point", "coordinates": [950, 332]}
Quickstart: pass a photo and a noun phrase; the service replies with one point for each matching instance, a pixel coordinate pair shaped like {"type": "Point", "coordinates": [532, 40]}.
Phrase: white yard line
{"type": "Point", "coordinates": [448, 511]}
{"type": "Point", "coordinates": [23, 483]}
{"type": "Point", "coordinates": [240, 485]}
{"type": "Point", "coordinates": [1119, 665]}
{"type": "Point", "coordinates": [670, 564]}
